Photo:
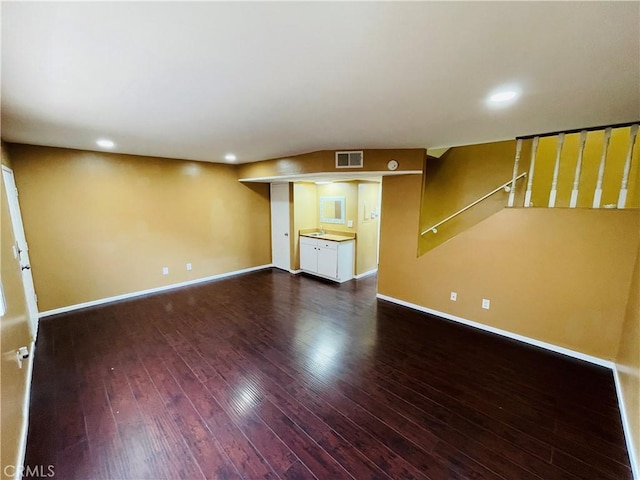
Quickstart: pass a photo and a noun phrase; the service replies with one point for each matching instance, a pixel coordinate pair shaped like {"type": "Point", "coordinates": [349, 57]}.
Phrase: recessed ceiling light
{"type": "Point", "coordinates": [503, 97]}
{"type": "Point", "coordinates": [230, 157]}
{"type": "Point", "coordinates": [104, 143]}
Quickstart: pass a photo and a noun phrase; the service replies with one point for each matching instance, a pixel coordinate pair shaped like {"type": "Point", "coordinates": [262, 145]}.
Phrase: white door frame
{"type": "Point", "coordinates": [280, 226]}
{"type": "Point", "coordinates": [20, 248]}
{"type": "Point", "coordinates": [379, 206]}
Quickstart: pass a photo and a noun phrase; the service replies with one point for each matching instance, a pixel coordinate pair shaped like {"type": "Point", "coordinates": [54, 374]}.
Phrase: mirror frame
{"type": "Point", "coordinates": [324, 219]}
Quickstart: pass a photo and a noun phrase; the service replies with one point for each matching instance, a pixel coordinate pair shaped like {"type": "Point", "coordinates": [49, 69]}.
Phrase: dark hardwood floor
{"type": "Point", "coordinates": [270, 375]}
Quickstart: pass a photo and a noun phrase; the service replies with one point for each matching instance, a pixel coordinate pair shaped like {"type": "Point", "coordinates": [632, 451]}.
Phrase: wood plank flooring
{"type": "Point", "coordinates": [270, 375]}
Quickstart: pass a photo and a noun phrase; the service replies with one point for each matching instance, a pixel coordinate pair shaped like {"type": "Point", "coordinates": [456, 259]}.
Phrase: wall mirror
{"type": "Point", "coordinates": [332, 210]}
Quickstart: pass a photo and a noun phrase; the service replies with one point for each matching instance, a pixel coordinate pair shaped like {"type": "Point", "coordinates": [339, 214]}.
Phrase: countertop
{"type": "Point", "coordinates": [329, 236]}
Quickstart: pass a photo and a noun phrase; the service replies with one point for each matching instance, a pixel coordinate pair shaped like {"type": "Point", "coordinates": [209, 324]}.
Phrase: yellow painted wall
{"type": "Point", "coordinates": [101, 224]}
{"type": "Point", "coordinates": [556, 275]}
{"type": "Point", "coordinates": [305, 214]}
{"type": "Point", "coordinates": [367, 227]}
{"type": "Point", "coordinates": [461, 176]}
{"type": "Point", "coordinates": [348, 190]}
{"type": "Point", "coordinates": [14, 333]}
{"type": "Point", "coordinates": [628, 359]}
{"type": "Point", "coordinates": [324, 161]}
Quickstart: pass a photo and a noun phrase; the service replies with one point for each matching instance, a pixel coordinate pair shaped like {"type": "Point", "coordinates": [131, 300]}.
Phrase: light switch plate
{"type": "Point", "coordinates": [188, 266]}
{"type": "Point", "coordinates": [165, 270]}
{"type": "Point", "coordinates": [350, 223]}
{"type": "Point", "coordinates": [486, 303]}
{"type": "Point", "coordinates": [453, 297]}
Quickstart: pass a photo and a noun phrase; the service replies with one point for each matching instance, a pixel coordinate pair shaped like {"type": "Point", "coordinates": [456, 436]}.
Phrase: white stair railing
{"type": "Point", "coordinates": [576, 177]}
{"type": "Point", "coordinates": [507, 187]}
{"type": "Point", "coordinates": [510, 186]}
{"type": "Point", "coordinates": [580, 166]}
{"type": "Point", "coordinates": [597, 196]}
{"type": "Point", "coordinates": [516, 165]}
{"type": "Point", "coordinates": [532, 167]}
{"type": "Point", "coordinates": [556, 172]}
{"type": "Point", "coordinates": [622, 197]}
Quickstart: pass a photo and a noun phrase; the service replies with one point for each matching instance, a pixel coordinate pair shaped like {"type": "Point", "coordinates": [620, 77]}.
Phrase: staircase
{"type": "Point", "coordinates": [587, 168]}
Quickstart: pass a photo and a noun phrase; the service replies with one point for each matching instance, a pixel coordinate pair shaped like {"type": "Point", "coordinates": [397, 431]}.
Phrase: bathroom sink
{"type": "Point", "coordinates": [316, 234]}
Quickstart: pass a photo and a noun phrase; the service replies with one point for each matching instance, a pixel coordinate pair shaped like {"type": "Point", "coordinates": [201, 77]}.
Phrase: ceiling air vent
{"type": "Point", "coordinates": [349, 159]}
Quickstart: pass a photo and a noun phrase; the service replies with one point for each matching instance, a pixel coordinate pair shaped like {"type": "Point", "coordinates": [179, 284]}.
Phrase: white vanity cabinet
{"type": "Point", "coordinates": [327, 258]}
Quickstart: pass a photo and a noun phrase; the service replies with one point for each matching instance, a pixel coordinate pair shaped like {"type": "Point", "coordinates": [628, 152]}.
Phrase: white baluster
{"type": "Point", "coordinates": [512, 192]}
{"type": "Point", "coordinates": [534, 150]}
{"type": "Point", "coordinates": [576, 178]}
{"type": "Point", "coordinates": [556, 171]}
{"type": "Point", "coordinates": [597, 196]}
{"type": "Point", "coordinates": [622, 198]}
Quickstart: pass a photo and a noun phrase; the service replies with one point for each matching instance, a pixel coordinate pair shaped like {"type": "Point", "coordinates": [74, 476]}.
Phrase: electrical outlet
{"type": "Point", "coordinates": [350, 223]}
{"type": "Point", "coordinates": [188, 266]}
{"type": "Point", "coordinates": [454, 296]}
{"type": "Point", "coordinates": [486, 303]}
{"type": "Point", "coordinates": [165, 270]}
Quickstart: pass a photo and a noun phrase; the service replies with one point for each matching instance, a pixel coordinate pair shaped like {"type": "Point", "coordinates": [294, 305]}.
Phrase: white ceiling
{"type": "Point", "coordinates": [266, 80]}
{"type": "Point", "coordinates": [330, 177]}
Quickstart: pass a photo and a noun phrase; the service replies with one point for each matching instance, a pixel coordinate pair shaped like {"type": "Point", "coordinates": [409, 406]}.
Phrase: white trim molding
{"type": "Point", "coordinates": [140, 293]}
{"type": "Point", "coordinates": [626, 426]}
{"type": "Point", "coordinates": [330, 175]}
{"type": "Point", "coordinates": [366, 274]}
{"type": "Point", "coordinates": [24, 430]}
{"type": "Point", "coordinates": [635, 467]}
{"type": "Point", "coordinates": [521, 338]}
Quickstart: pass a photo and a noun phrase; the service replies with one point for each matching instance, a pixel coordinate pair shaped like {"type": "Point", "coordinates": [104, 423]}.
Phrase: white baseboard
{"type": "Point", "coordinates": [140, 293]}
{"type": "Point", "coordinates": [626, 425]}
{"type": "Point", "coordinates": [531, 341]}
{"type": "Point", "coordinates": [635, 467]}
{"type": "Point", "coordinates": [24, 430]}
{"type": "Point", "coordinates": [366, 274]}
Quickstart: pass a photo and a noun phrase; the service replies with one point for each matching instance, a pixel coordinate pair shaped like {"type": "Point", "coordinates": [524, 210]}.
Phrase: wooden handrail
{"type": "Point", "coordinates": [434, 228]}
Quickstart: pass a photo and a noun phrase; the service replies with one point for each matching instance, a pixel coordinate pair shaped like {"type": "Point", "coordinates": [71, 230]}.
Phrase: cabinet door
{"type": "Point", "coordinates": [328, 262]}
{"type": "Point", "coordinates": [308, 257]}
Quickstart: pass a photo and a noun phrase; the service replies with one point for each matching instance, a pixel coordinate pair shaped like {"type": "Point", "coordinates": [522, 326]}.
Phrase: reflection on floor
{"type": "Point", "coordinates": [270, 375]}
